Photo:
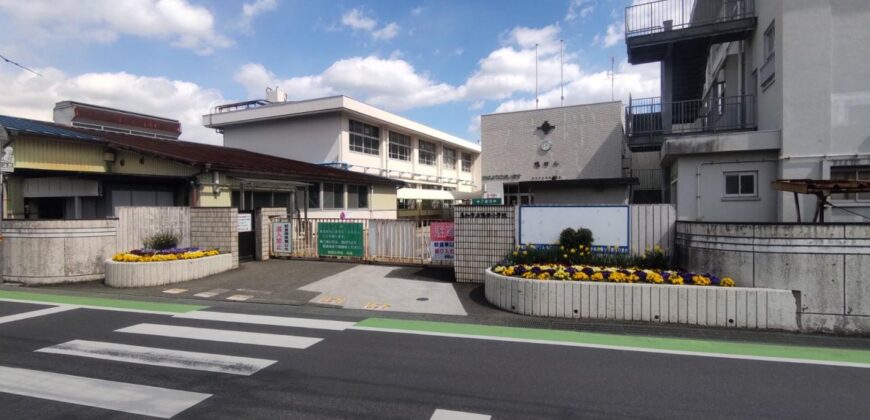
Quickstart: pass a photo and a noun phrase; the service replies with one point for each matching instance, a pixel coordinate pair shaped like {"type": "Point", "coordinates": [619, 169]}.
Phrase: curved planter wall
{"type": "Point", "coordinates": [146, 274]}
{"type": "Point", "coordinates": [56, 251]}
{"type": "Point", "coordinates": [694, 305]}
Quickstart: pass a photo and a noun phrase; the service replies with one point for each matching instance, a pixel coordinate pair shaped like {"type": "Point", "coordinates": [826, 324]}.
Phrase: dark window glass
{"type": "Point", "coordinates": [732, 184]}
{"type": "Point", "coordinates": [313, 196]}
{"type": "Point", "coordinates": [364, 138]}
{"type": "Point", "coordinates": [747, 184]}
{"type": "Point", "coordinates": [400, 146]}
{"type": "Point", "coordinates": [426, 153]}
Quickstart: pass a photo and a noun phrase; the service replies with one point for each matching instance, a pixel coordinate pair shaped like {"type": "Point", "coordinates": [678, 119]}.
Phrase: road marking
{"type": "Point", "coordinates": [99, 303]}
{"type": "Point", "coordinates": [331, 300]}
{"type": "Point", "coordinates": [111, 395]}
{"type": "Point", "coordinates": [440, 414]}
{"type": "Point", "coordinates": [825, 356]}
{"type": "Point", "coordinates": [208, 334]}
{"type": "Point", "coordinates": [239, 298]}
{"type": "Point", "coordinates": [211, 293]}
{"type": "Point", "coordinates": [373, 306]}
{"type": "Point", "coordinates": [160, 357]}
{"type": "Point", "coordinates": [320, 324]}
{"type": "Point", "coordinates": [174, 291]}
{"type": "Point", "coordinates": [264, 292]}
{"type": "Point", "coordinates": [34, 314]}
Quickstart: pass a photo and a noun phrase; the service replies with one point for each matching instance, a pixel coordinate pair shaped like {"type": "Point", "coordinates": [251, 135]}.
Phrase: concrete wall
{"type": "Point", "coordinates": [729, 307]}
{"type": "Point", "coordinates": [263, 230]}
{"type": "Point", "coordinates": [148, 274]}
{"type": "Point", "coordinates": [215, 227]}
{"type": "Point", "coordinates": [56, 251]}
{"type": "Point", "coordinates": [136, 224]}
{"type": "Point", "coordinates": [826, 263]}
{"type": "Point", "coordinates": [313, 138]}
{"type": "Point", "coordinates": [586, 143]}
{"type": "Point", "coordinates": [483, 236]}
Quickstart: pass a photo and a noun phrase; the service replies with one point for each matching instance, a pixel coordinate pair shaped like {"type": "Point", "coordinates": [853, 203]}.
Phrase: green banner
{"type": "Point", "coordinates": [340, 239]}
{"type": "Point", "coordinates": [486, 201]}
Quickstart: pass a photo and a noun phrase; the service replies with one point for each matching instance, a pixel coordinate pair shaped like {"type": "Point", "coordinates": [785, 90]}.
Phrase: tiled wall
{"type": "Point", "coordinates": [215, 227]}
{"type": "Point", "coordinates": [263, 229]}
{"type": "Point", "coordinates": [483, 236]}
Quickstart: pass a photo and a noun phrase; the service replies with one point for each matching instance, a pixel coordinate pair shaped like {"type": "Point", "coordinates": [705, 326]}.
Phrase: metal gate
{"type": "Point", "coordinates": [247, 242]}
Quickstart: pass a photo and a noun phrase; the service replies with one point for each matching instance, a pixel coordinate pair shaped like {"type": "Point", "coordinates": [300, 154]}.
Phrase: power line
{"type": "Point", "coordinates": [849, 211]}
{"type": "Point", "coordinates": [18, 65]}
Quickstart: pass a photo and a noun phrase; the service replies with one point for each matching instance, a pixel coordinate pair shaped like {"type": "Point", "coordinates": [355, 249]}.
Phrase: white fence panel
{"type": "Point", "coordinates": [135, 224]}
{"type": "Point", "coordinates": [651, 225]}
{"type": "Point", "coordinates": [393, 239]}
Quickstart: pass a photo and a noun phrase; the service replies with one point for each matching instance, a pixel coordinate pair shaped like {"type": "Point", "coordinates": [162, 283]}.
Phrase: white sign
{"type": "Point", "coordinates": [245, 223]}
{"type": "Point", "coordinates": [541, 225]}
{"type": "Point", "coordinates": [491, 195]}
{"type": "Point", "coordinates": [7, 161]}
{"type": "Point", "coordinates": [282, 239]}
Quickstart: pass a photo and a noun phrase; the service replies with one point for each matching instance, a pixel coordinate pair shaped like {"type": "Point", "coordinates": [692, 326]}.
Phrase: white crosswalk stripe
{"type": "Point", "coordinates": [209, 334]}
{"type": "Point", "coordinates": [160, 357]}
{"type": "Point", "coordinates": [280, 321]}
{"type": "Point", "coordinates": [118, 396]}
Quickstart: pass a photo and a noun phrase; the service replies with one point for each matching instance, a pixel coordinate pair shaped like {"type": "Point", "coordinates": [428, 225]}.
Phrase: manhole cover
{"type": "Point", "coordinates": [423, 299]}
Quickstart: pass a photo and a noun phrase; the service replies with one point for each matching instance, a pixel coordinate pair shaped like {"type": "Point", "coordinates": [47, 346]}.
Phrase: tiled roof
{"type": "Point", "coordinates": [23, 125]}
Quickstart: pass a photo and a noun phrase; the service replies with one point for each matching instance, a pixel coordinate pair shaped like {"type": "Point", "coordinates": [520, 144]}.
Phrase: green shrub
{"type": "Point", "coordinates": [161, 240]}
{"type": "Point", "coordinates": [576, 239]}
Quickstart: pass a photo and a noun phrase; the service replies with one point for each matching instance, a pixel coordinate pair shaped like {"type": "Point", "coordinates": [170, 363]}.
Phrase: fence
{"type": "Point", "coordinates": [135, 224]}
{"type": "Point", "coordinates": [651, 225]}
{"type": "Point", "coordinates": [389, 241]}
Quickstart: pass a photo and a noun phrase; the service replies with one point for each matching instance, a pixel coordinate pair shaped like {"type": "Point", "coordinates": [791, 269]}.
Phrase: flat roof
{"type": "Point", "coordinates": [67, 104]}
{"type": "Point", "coordinates": [285, 110]}
{"type": "Point", "coordinates": [552, 108]}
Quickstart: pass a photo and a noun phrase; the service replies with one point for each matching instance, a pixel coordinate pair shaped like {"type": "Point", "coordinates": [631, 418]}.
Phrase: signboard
{"type": "Point", "coordinates": [7, 160]}
{"type": "Point", "coordinates": [245, 223]}
{"type": "Point", "coordinates": [541, 225]}
{"type": "Point", "coordinates": [282, 239]}
{"type": "Point", "coordinates": [491, 195]}
{"type": "Point", "coordinates": [495, 201]}
{"type": "Point", "coordinates": [340, 239]}
{"type": "Point", "coordinates": [441, 236]}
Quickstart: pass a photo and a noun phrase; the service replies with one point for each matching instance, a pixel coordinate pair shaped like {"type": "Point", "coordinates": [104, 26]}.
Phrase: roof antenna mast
{"type": "Point", "coordinates": [536, 76]}
{"type": "Point", "coordinates": [561, 72]}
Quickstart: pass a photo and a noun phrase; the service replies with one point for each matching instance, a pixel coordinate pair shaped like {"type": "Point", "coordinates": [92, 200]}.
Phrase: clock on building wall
{"type": "Point", "coordinates": [546, 145]}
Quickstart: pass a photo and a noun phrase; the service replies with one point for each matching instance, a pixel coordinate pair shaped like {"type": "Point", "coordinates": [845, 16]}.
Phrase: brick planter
{"type": "Point", "coordinates": [737, 307]}
{"type": "Point", "coordinates": [147, 274]}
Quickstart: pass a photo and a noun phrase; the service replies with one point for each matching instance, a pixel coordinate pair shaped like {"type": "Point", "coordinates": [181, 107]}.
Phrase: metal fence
{"type": "Point", "coordinates": [651, 116]}
{"type": "Point", "coordinates": [666, 15]}
{"type": "Point", "coordinates": [384, 240]}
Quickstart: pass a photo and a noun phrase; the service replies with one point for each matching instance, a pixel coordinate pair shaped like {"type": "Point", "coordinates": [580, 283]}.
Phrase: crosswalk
{"type": "Point", "coordinates": [154, 401]}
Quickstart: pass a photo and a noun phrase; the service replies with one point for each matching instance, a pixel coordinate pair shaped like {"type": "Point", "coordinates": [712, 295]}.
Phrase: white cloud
{"type": "Point", "coordinates": [184, 25]}
{"type": "Point", "coordinates": [474, 126]}
{"type": "Point", "coordinates": [417, 11]}
{"type": "Point", "coordinates": [389, 31]}
{"type": "Point", "coordinates": [613, 36]}
{"type": "Point", "coordinates": [579, 9]}
{"type": "Point", "coordinates": [29, 96]}
{"type": "Point", "coordinates": [251, 10]}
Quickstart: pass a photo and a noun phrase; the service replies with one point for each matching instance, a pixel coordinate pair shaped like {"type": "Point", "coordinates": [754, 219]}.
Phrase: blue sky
{"type": "Point", "coordinates": [442, 63]}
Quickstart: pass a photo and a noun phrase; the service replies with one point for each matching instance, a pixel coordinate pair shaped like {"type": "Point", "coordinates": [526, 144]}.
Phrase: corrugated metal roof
{"type": "Point", "coordinates": [23, 125]}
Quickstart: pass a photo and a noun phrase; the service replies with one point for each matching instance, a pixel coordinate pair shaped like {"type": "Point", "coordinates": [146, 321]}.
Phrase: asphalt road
{"type": "Point", "coordinates": [357, 373]}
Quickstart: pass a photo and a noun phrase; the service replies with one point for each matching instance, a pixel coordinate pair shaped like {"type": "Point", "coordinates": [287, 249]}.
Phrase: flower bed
{"type": "Point", "coordinates": [171, 254]}
{"type": "Point", "coordinates": [147, 273]}
{"type": "Point", "coordinates": [610, 274]}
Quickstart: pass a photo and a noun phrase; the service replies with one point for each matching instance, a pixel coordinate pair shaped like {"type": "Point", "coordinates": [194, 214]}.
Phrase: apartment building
{"type": "Point", "coordinates": [753, 91]}
{"type": "Point", "coordinates": [340, 131]}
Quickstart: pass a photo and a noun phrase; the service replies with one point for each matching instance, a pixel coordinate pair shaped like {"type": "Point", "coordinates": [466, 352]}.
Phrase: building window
{"type": "Point", "coordinates": [400, 146]}
{"type": "Point", "coordinates": [365, 138]}
{"type": "Point", "coordinates": [449, 159]}
{"type": "Point", "coordinates": [741, 184]}
{"type": "Point", "coordinates": [357, 196]}
{"type": "Point", "coordinates": [466, 162]}
{"type": "Point", "coordinates": [333, 196]}
{"type": "Point", "coordinates": [313, 196]}
{"type": "Point", "coordinates": [768, 69]}
{"type": "Point", "coordinates": [426, 153]}
{"type": "Point", "coordinates": [851, 173]}
{"type": "Point", "coordinates": [515, 194]}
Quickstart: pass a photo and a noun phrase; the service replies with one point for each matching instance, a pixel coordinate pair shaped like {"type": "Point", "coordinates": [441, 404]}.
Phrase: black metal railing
{"type": "Point", "coordinates": [667, 15]}
{"type": "Point", "coordinates": [652, 117]}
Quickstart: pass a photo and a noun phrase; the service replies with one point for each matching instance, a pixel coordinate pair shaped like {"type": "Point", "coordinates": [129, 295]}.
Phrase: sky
{"type": "Point", "coordinates": [442, 63]}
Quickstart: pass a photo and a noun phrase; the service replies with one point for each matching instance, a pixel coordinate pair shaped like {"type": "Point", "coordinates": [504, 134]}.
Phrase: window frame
{"type": "Point", "coordinates": [370, 144]}
{"type": "Point", "coordinates": [451, 162]}
{"type": "Point", "coordinates": [433, 152]}
{"type": "Point", "coordinates": [332, 192]}
{"type": "Point", "coordinates": [462, 161]}
{"type": "Point", "coordinates": [740, 194]}
{"type": "Point", "coordinates": [361, 192]}
{"type": "Point", "coordinates": [854, 171]}
{"type": "Point", "coordinates": [397, 144]}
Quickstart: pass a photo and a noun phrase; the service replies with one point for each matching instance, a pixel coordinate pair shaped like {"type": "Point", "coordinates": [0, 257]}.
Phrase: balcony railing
{"type": "Point", "coordinates": [666, 15]}
{"type": "Point", "coordinates": [652, 117]}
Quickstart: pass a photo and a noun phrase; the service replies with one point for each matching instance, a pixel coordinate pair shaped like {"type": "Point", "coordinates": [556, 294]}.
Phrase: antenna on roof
{"type": "Point", "coordinates": [536, 76]}
{"type": "Point", "coordinates": [612, 75]}
{"type": "Point", "coordinates": [561, 73]}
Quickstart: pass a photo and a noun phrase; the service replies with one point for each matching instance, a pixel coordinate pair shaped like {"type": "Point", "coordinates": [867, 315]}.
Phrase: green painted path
{"type": "Point", "coordinates": [95, 302]}
{"type": "Point", "coordinates": [678, 346]}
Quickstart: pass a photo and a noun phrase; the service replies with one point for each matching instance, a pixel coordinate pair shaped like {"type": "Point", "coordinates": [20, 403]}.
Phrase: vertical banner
{"type": "Point", "coordinates": [281, 237]}
{"type": "Point", "coordinates": [340, 239]}
{"type": "Point", "coordinates": [441, 236]}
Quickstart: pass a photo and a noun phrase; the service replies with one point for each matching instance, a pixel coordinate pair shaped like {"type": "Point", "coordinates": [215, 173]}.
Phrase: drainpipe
{"type": "Point", "coordinates": [698, 179]}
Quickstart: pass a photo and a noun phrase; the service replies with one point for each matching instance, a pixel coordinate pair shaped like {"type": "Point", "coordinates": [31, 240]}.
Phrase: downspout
{"type": "Point", "coordinates": [698, 216]}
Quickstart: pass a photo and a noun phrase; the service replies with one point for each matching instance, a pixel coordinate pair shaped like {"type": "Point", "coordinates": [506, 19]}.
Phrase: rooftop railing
{"type": "Point", "coordinates": [666, 15]}
{"type": "Point", "coordinates": [652, 117]}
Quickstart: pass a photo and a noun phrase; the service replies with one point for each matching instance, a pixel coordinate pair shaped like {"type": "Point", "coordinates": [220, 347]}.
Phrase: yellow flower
{"type": "Point", "coordinates": [597, 276]}
{"type": "Point", "coordinates": [498, 269]}
{"type": "Point", "coordinates": [544, 276]}
{"type": "Point", "coordinates": [675, 279]}
{"type": "Point", "coordinates": [573, 250]}
{"type": "Point", "coordinates": [525, 252]}
{"type": "Point", "coordinates": [562, 247]}
{"type": "Point", "coordinates": [516, 253]}
{"type": "Point", "coordinates": [528, 275]}
{"type": "Point", "coordinates": [727, 282]}
{"type": "Point", "coordinates": [579, 275]}
{"type": "Point", "coordinates": [509, 271]}
{"type": "Point", "coordinates": [564, 255]}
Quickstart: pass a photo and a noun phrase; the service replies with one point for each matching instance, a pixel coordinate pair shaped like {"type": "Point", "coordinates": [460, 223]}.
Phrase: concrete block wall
{"type": "Point", "coordinates": [148, 274]}
{"type": "Point", "coordinates": [215, 227]}
{"type": "Point", "coordinates": [827, 263]}
{"type": "Point", "coordinates": [732, 307]}
{"type": "Point", "coordinates": [263, 230]}
{"type": "Point", "coordinates": [483, 236]}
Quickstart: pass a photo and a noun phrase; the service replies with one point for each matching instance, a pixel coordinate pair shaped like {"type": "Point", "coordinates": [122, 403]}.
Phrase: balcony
{"type": "Point", "coordinates": [651, 27]}
{"type": "Point", "coordinates": [649, 120]}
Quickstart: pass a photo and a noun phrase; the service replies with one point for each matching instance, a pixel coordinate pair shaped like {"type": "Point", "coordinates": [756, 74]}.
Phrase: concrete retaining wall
{"type": "Point", "coordinates": [56, 251]}
{"type": "Point", "coordinates": [483, 236]}
{"type": "Point", "coordinates": [827, 263]}
{"type": "Point", "coordinates": [733, 307]}
{"type": "Point", "coordinates": [146, 274]}
{"type": "Point", "coordinates": [215, 227]}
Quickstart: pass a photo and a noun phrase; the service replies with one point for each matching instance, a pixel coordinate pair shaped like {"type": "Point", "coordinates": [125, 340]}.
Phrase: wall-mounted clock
{"type": "Point", "coordinates": [546, 146]}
